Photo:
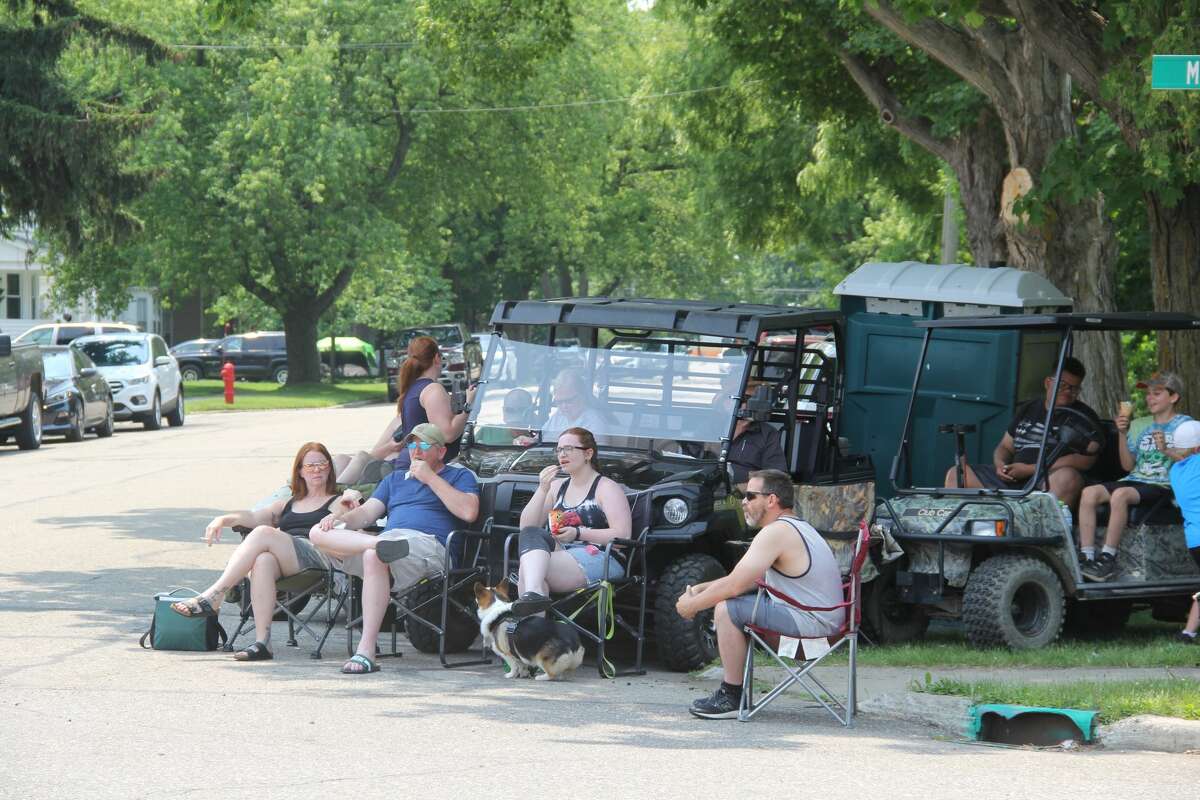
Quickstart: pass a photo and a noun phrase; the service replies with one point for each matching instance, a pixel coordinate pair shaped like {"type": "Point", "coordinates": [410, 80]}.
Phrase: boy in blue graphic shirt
{"type": "Point", "coordinates": [1185, 480]}
{"type": "Point", "coordinates": [1143, 451]}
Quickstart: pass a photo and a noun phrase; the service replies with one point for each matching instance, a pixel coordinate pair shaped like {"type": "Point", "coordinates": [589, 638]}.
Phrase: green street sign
{"type": "Point", "coordinates": [1175, 72]}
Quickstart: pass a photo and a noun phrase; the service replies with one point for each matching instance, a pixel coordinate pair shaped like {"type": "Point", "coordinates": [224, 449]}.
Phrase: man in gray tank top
{"type": "Point", "coordinates": [789, 555]}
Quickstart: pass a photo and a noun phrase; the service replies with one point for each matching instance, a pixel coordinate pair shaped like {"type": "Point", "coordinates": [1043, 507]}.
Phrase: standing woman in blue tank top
{"type": "Point", "coordinates": [422, 399]}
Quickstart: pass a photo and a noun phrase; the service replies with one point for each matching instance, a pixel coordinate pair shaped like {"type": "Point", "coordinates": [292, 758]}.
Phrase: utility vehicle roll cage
{"type": "Point", "coordinates": [810, 375]}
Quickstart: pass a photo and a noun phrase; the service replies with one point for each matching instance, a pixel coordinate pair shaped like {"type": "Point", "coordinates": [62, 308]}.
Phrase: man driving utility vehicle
{"type": "Point", "coordinates": [1015, 458]}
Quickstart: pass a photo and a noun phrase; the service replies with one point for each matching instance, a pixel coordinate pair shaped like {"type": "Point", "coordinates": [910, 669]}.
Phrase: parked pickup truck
{"type": "Point", "coordinates": [20, 393]}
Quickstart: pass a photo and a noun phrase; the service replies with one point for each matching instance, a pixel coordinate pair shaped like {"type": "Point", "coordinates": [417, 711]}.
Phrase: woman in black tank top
{"type": "Point", "coordinates": [567, 523]}
{"type": "Point", "coordinates": [276, 547]}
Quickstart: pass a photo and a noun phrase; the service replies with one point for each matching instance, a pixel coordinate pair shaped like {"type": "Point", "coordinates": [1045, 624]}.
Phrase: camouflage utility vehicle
{"type": "Point", "coordinates": [1005, 561]}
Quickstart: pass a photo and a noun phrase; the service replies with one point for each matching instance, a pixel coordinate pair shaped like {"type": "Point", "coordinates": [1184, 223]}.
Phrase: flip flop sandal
{"type": "Point", "coordinates": [368, 666]}
{"type": "Point", "coordinates": [255, 652]}
{"type": "Point", "coordinates": [202, 607]}
{"type": "Point", "coordinates": [391, 550]}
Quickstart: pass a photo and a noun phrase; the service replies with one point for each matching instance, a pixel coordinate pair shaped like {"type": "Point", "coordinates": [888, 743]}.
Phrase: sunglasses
{"type": "Point", "coordinates": [423, 445]}
{"type": "Point", "coordinates": [754, 495]}
{"type": "Point", "coordinates": [315, 466]}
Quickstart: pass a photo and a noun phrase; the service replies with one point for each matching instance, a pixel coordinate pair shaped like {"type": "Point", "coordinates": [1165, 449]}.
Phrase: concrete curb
{"type": "Point", "coordinates": [951, 715]}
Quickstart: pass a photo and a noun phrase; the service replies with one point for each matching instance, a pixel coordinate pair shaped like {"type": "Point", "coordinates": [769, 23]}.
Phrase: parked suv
{"type": "Point", "coordinates": [143, 376]}
{"type": "Point", "coordinates": [67, 332]}
{"type": "Point", "coordinates": [256, 356]}
{"type": "Point", "coordinates": [197, 359]}
{"type": "Point", "coordinates": [462, 356]}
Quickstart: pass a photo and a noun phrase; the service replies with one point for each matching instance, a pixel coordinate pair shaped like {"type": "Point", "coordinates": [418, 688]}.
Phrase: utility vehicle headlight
{"type": "Point", "coordinates": [675, 510]}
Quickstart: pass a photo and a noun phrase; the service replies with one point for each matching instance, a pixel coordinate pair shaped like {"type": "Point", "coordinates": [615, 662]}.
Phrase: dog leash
{"type": "Point", "coordinates": [606, 588]}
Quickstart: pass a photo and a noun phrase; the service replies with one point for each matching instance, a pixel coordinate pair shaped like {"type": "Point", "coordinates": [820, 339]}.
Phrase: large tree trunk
{"type": "Point", "coordinates": [977, 155]}
{"type": "Point", "coordinates": [1075, 246]}
{"type": "Point", "coordinates": [300, 328]}
{"type": "Point", "coordinates": [1175, 266]}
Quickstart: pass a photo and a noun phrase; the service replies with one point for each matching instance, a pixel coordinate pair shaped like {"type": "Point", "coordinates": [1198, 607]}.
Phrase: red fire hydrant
{"type": "Point", "coordinates": [227, 375]}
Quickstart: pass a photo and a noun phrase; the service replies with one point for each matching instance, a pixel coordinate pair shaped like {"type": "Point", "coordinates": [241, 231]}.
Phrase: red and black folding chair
{"type": "Point", "coordinates": [807, 653]}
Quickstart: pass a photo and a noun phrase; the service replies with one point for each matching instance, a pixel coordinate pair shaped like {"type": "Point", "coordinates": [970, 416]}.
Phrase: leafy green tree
{"type": "Point", "coordinates": [286, 168]}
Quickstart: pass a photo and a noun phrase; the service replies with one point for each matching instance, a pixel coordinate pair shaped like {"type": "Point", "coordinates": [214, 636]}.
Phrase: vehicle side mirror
{"type": "Point", "coordinates": [163, 361]}
{"type": "Point", "coordinates": [5, 345]}
{"type": "Point", "coordinates": [218, 349]}
{"type": "Point", "coordinates": [88, 372]}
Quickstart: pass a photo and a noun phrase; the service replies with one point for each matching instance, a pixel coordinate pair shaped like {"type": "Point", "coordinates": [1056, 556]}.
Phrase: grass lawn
{"type": "Point", "coordinates": [260, 395]}
{"type": "Point", "coordinates": [1168, 697]}
{"type": "Point", "coordinates": [1144, 642]}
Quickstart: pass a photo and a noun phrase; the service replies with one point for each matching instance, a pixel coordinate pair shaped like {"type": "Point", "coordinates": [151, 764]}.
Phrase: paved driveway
{"type": "Point", "coordinates": [90, 531]}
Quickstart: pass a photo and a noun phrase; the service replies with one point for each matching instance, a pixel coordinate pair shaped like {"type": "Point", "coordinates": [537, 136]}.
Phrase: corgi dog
{"type": "Point", "coordinates": [553, 647]}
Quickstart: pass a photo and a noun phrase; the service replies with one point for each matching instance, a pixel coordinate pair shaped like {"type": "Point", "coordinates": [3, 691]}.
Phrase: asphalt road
{"type": "Point", "coordinates": [90, 531]}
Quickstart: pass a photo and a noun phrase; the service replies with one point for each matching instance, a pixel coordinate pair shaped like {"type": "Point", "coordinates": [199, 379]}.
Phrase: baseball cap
{"type": "Point", "coordinates": [1167, 380]}
{"type": "Point", "coordinates": [1187, 435]}
{"type": "Point", "coordinates": [427, 432]}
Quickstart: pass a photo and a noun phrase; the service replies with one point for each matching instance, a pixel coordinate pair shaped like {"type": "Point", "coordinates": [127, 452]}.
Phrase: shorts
{"type": "Point", "coordinates": [776, 616]}
{"type": "Point", "coordinates": [591, 560]}
{"type": "Point", "coordinates": [426, 556]}
{"type": "Point", "coordinates": [1147, 492]}
{"type": "Point", "coordinates": [990, 479]}
{"type": "Point", "coordinates": [308, 555]}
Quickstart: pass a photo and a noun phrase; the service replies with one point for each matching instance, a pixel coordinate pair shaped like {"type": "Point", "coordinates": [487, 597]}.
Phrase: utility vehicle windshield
{"type": "Point", "coordinates": [673, 395]}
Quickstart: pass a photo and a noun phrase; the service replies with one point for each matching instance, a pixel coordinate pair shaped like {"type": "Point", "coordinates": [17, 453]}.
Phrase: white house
{"type": "Point", "coordinates": [24, 291]}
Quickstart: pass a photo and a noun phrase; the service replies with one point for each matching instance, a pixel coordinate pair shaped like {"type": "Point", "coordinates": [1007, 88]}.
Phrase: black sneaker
{"type": "Point", "coordinates": [722, 705]}
{"type": "Point", "coordinates": [1187, 638]}
{"type": "Point", "coordinates": [530, 603]}
{"type": "Point", "coordinates": [1101, 569]}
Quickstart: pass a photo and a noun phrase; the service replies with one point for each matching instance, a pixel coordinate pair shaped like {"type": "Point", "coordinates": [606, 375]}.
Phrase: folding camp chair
{"type": "Point", "coordinates": [808, 653]}
{"type": "Point", "coordinates": [430, 608]}
{"type": "Point", "coordinates": [329, 586]}
{"type": "Point", "coordinates": [603, 594]}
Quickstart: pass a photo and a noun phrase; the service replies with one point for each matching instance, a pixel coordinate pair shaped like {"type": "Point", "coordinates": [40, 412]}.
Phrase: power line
{"type": "Point", "coordinates": [286, 46]}
{"type": "Point", "coordinates": [577, 103]}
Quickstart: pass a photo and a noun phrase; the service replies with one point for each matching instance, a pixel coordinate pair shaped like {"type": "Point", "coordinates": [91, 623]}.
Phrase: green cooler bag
{"type": "Point", "coordinates": [171, 631]}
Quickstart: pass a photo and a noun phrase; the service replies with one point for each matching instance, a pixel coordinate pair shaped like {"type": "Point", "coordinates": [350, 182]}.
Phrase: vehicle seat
{"type": "Point", "coordinates": [1108, 464]}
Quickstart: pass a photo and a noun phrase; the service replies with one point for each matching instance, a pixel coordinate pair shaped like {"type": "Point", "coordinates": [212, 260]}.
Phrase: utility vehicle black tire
{"type": "Point", "coordinates": [179, 413]}
{"type": "Point", "coordinates": [1097, 618]}
{"type": "Point", "coordinates": [461, 629]}
{"type": "Point", "coordinates": [1015, 601]}
{"type": "Point", "coordinates": [105, 428]}
{"type": "Point", "coordinates": [75, 432]}
{"type": "Point", "coordinates": [29, 432]}
{"type": "Point", "coordinates": [152, 419]}
{"type": "Point", "coordinates": [886, 619]}
{"type": "Point", "coordinates": [683, 644]}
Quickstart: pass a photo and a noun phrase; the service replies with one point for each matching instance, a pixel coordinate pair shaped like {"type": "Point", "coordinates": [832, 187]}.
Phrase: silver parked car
{"type": "Point", "coordinates": [144, 377]}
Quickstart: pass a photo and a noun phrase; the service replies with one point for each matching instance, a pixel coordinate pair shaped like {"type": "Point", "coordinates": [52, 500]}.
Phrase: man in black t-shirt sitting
{"type": "Point", "coordinates": [1015, 458]}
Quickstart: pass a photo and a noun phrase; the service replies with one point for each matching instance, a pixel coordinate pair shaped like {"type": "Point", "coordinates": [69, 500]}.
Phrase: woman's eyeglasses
{"type": "Point", "coordinates": [567, 449]}
{"type": "Point", "coordinates": [315, 466]}
{"type": "Point", "coordinates": [423, 445]}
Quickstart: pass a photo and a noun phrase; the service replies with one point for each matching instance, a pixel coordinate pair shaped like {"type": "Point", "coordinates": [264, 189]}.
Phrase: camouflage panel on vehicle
{"type": "Point", "coordinates": [1151, 553]}
{"type": "Point", "coordinates": [1036, 515]}
{"type": "Point", "coordinates": [836, 511]}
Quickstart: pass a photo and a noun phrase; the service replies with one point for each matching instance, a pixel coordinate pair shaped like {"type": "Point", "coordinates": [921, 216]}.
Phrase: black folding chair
{"type": "Point", "coordinates": [438, 611]}
{"type": "Point", "coordinates": [324, 584]}
{"type": "Point", "coordinates": [569, 607]}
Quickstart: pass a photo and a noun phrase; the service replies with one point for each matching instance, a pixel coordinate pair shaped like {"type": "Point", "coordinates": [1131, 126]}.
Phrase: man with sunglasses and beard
{"type": "Point", "coordinates": [423, 505]}
{"type": "Point", "coordinates": [790, 556]}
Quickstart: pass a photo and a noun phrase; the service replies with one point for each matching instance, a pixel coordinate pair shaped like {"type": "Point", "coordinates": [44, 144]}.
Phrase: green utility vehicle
{"type": "Point", "coordinates": [1005, 561]}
